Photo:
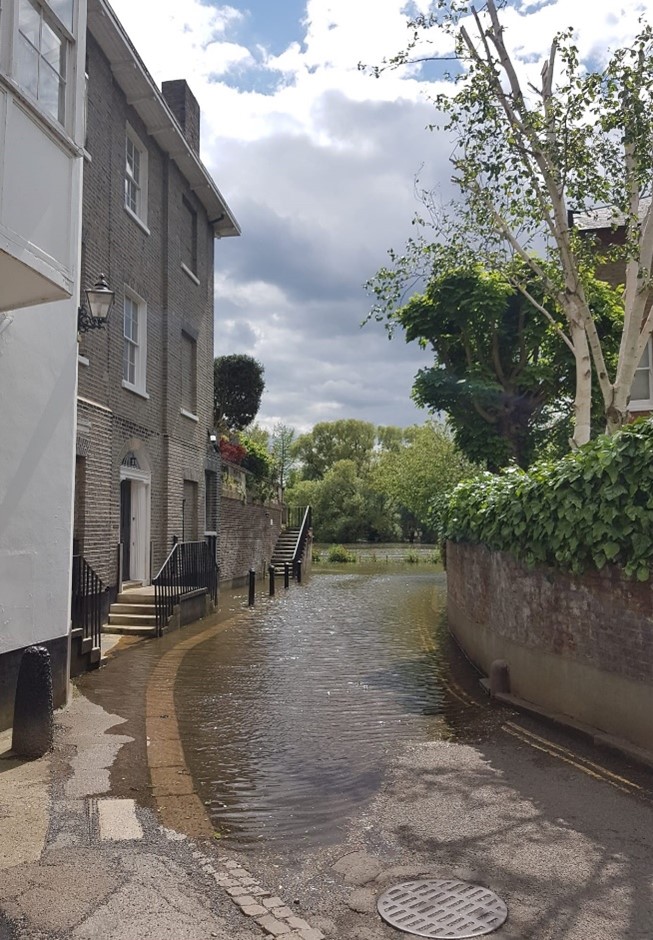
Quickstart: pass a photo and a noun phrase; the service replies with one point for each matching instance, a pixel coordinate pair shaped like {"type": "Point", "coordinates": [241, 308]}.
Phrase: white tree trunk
{"type": "Point", "coordinates": [583, 398]}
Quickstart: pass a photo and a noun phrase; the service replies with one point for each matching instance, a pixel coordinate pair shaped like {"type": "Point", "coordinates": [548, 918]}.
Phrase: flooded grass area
{"type": "Point", "coordinates": [373, 555]}
{"type": "Point", "coordinates": [288, 717]}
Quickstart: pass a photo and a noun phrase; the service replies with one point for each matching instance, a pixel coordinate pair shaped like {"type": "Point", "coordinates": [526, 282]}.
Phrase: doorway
{"type": "Point", "coordinates": [135, 521]}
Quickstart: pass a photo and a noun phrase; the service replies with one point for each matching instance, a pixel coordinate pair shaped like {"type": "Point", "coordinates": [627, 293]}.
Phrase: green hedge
{"type": "Point", "coordinates": [594, 507]}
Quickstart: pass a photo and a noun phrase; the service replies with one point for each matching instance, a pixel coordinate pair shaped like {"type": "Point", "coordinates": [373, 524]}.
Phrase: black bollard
{"type": "Point", "coordinates": [271, 572]}
{"type": "Point", "coordinates": [286, 575]}
{"type": "Point", "coordinates": [33, 731]}
{"type": "Point", "coordinates": [299, 571]}
{"type": "Point", "coordinates": [252, 587]}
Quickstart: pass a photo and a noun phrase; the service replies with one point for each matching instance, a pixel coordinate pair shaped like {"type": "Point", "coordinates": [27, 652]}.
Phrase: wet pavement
{"type": "Point", "coordinates": [318, 749]}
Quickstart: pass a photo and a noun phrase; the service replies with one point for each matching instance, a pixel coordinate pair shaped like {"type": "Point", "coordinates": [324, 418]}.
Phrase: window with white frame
{"type": "Point", "coordinates": [134, 350]}
{"type": "Point", "coordinates": [44, 38]}
{"type": "Point", "coordinates": [135, 176]}
{"type": "Point", "coordinates": [188, 373]}
{"type": "Point", "coordinates": [641, 391]}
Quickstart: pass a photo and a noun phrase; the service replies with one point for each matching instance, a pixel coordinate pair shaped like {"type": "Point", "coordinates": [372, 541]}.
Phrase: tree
{"type": "Point", "coordinates": [281, 446]}
{"type": "Point", "coordinates": [419, 475]}
{"type": "Point", "coordinates": [501, 373]}
{"type": "Point", "coordinates": [346, 508]}
{"type": "Point", "coordinates": [331, 441]}
{"type": "Point", "coordinates": [238, 387]}
{"type": "Point", "coordinates": [526, 156]}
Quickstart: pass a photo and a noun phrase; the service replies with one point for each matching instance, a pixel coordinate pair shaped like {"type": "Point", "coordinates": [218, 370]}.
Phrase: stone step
{"type": "Point", "coordinates": [125, 630]}
{"type": "Point", "coordinates": [131, 597]}
{"type": "Point", "coordinates": [132, 620]}
{"type": "Point", "coordinates": [131, 608]}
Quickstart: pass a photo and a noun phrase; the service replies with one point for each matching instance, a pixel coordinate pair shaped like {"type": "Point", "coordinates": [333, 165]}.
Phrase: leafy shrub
{"type": "Point", "coordinates": [412, 558]}
{"type": "Point", "coordinates": [340, 553]}
{"type": "Point", "coordinates": [594, 507]}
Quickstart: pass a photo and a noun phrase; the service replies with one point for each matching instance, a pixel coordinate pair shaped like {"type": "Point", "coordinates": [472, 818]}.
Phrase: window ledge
{"type": "Point", "coordinates": [187, 271]}
{"type": "Point", "coordinates": [136, 391]}
{"type": "Point", "coordinates": [137, 219]}
{"type": "Point", "coordinates": [641, 404]}
{"type": "Point", "coordinates": [83, 360]}
{"type": "Point", "coordinates": [189, 415]}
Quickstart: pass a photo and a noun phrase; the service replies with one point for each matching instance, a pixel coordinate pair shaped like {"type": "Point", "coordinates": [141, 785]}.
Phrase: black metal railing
{"type": "Point", "coordinates": [303, 520]}
{"type": "Point", "coordinates": [189, 567]}
{"type": "Point", "coordinates": [87, 600]}
{"type": "Point", "coordinates": [293, 516]}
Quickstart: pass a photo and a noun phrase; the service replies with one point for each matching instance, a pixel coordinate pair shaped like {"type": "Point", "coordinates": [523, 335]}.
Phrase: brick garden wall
{"type": "Point", "coordinates": [248, 534]}
{"type": "Point", "coordinates": [582, 646]}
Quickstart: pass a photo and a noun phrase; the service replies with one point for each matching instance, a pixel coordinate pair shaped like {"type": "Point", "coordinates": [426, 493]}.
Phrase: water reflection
{"type": "Point", "coordinates": [287, 717]}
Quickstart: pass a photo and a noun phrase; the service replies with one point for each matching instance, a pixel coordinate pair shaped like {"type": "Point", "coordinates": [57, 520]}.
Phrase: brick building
{"type": "Point", "coordinates": [145, 469]}
{"type": "Point", "coordinates": [607, 228]}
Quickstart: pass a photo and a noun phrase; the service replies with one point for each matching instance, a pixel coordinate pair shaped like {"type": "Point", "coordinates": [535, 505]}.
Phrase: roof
{"type": "Point", "coordinates": [604, 217]}
{"type": "Point", "coordinates": [145, 97]}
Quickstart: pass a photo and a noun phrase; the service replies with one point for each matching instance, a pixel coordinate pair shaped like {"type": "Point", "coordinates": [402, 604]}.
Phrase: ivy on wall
{"type": "Point", "coordinates": [594, 507]}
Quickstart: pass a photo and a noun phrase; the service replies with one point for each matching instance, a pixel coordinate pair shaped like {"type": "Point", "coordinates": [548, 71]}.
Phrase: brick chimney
{"type": "Point", "coordinates": [183, 104]}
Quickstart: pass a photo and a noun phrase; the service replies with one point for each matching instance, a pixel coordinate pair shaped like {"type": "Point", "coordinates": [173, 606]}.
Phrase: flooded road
{"type": "Point", "coordinates": [287, 717]}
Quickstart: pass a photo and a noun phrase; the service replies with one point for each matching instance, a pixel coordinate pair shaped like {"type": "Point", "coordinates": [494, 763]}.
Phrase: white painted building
{"type": "Point", "coordinates": [42, 53]}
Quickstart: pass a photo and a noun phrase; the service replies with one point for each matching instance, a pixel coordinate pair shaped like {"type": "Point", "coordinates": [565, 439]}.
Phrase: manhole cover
{"type": "Point", "coordinates": [442, 908]}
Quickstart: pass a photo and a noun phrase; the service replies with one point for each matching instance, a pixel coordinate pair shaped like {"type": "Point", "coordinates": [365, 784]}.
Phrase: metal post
{"type": "Point", "coordinates": [271, 572]}
{"type": "Point", "coordinates": [286, 575]}
{"type": "Point", "coordinates": [252, 586]}
{"type": "Point", "coordinates": [299, 571]}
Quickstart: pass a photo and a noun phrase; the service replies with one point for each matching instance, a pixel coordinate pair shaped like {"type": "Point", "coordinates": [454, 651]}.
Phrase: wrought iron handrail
{"type": "Point", "coordinates": [87, 600]}
{"type": "Point", "coordinates": [189, 567]}
{"type": "Point", "coordinates": [305, 514]}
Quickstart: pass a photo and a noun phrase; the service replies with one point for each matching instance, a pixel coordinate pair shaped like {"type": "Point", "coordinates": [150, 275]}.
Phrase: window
{"type": "Point", "coordinates": [134, 343]}
{"type": "Point", "coordinates": [188, 374]}
{"type": "Point", "coordinates": [640, 392]}
{"type": "Point", "coordinates": [135, 176]}
{"type": "Point", "coordinates": [188, 237]}
{"type": "Point", "coordinates": [189, 512]}
{"type": "Point", "coordinates": [42, 53]}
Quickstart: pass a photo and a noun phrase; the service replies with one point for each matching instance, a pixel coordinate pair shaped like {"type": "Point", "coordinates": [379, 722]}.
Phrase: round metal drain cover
{"type": "Point", "coordinates": [442, 908]}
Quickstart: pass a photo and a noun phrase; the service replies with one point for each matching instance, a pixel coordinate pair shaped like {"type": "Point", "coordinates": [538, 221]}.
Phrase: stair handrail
{"type": "Point", "coordinates": [190, 566]}
{"type": "Point", "coordinates": [87, 600]}
{"type": "Point", "coordinates": [302, 535]}
{"type": "Point", "coordinates": [167, 588]}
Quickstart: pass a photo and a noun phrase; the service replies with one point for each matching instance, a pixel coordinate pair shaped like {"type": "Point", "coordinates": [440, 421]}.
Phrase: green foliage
{"type": "Point", "coordinates": [238, 385]}
{"type": "Point", "coordinates": [418, 474]}
{"type": "Point", "coordinates": [502, 374]}
{"type": "Point", "coordinates": [587, 510]}
{"type": "Point", "coordinates": [338, 553]}
{"type": "Point", "coordinates": [261, 464]}
{"type": "Point", "coordinates": [281, 445]}
{"type": "Point", "coordinates": [346, 507]}
{"type": "Point", "coordinates": [332, 441]}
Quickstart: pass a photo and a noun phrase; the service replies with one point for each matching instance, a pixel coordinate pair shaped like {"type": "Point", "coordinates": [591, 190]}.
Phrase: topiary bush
{"type": "Point", "coordinates": [594, 507]}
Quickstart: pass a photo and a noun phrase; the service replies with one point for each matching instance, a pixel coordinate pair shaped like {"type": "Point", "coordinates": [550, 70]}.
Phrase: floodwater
{"type": "Point", "coordinates": [288, 716]}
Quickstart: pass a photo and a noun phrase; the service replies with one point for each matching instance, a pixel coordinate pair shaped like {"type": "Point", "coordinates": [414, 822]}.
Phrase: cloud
{"type": "Point", "coordinates": [318, 163]}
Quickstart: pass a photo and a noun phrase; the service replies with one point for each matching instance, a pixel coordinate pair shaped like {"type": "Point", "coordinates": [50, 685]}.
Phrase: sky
{"type": "Point", "coordinates": [318, 162]}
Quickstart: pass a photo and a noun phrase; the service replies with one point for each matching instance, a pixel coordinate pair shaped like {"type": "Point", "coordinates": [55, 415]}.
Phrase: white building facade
{"type": "Point", "coordinates": [42, 128]}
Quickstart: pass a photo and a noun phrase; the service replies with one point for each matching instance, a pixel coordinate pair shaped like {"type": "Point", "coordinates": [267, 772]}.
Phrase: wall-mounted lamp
{"type": "Point", "coordinates": [94, 314]}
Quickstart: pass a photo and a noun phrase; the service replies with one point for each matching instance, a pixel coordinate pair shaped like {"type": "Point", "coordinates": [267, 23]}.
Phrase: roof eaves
{"type": "Point", "coordinates": [144, 96]}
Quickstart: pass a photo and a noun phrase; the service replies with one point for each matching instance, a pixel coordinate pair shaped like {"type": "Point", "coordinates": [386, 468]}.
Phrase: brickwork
{"type": "Point", "coordinates": [600, 619]}
{"type": "Point", "coordinates": [247, 536]}
{"type": "Point", "coordinates": [145, 259]}
{"type": "Point", "coordinates": [582, 645]}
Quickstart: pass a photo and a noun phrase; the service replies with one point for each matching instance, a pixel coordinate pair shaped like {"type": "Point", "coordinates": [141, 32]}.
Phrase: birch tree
{"type": "Point", "coordinates": [527, 157]}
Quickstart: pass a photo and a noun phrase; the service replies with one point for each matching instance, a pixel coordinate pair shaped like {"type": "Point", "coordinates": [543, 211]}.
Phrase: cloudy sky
{"type": "Point", "coordinates": [318, 163]}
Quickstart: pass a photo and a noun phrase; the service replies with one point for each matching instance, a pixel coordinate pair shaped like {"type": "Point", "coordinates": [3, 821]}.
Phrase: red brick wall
{"type": "Point", "coordinates": [246, 537]}
{"type": "Point", "coordinates": [579, 645]}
